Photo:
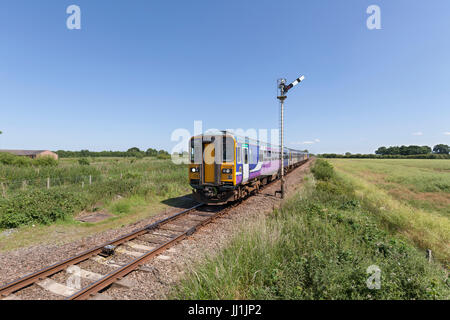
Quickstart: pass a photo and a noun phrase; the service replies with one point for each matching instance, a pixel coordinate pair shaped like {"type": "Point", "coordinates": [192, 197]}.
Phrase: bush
{"type": "Point", "coordinates": [83, 161]}
{"type": "Point", "coordinates": [163, 156]}
{"type": "Point", "coordinates": [42, 206]}
{"type": "Point", "coordinates": [66, 196]}
{"type": "Point", "coordinates": [38, 206]}
{"type": "Point", "coordinates": [322, 170]}
{"type": "Point", "coordinates": [21, 161]}
{"type": "Point", "coordinates": [45, 161]}
{"type": "Point", "coordinates": [13, 160]}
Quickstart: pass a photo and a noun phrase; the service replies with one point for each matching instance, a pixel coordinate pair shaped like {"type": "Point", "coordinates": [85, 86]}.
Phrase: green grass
{"type": "Point", "coordinates": [317, 246]}
{"type": "Point", "coordinates": [124, 206]}
{"type": "Point", "coordinates": [136, 181]}
{"type": "Point", "coordinates": [422, 184]}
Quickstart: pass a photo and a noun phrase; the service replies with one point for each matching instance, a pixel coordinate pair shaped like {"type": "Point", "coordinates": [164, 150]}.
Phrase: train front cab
{"type": "Point", "coordinates": [212, 172]}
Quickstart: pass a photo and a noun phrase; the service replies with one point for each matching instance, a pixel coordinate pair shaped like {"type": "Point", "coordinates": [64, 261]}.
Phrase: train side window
{"type": "Point", "coordinates": [238, 155]}
{"type": "Point", "coordinates": [246, 156]}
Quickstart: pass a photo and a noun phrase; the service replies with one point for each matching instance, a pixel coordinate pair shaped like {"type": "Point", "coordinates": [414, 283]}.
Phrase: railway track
{"type": "Point", "coordinates": [153, 239]}
{"type": "Point", "coordinates": [144, 243]}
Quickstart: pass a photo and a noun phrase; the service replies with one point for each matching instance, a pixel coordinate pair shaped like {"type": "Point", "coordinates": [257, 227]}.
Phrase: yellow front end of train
{"type": "Point", "coordinates": [212, 171]}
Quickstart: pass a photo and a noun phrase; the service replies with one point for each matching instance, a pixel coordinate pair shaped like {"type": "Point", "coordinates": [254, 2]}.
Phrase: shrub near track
{"type": "Point", "coordinates": [318, 246]}
{"type": "Point", "coordinates": [41, 206]}
{"type": "Point", "coordinates": [137, 181]}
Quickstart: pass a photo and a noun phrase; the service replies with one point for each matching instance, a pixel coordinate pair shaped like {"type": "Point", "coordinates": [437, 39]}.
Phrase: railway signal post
{"type": "Point", "coordinates": [283, 89]}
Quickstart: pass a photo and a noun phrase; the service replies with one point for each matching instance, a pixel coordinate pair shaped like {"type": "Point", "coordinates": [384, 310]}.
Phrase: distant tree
{"type": "Point", "coordinates": [134, 149]}
{"type": "Point", "coordinates": [441, 149]}
{"type": "Point", "coordinates": [84, 153]}
{"type": "Point", "coordinates": [381, 151]}
{"type": "Point", "coordinates": [425, 150]}
{"type": "Point", "coordinates": [163, 154]}
{"type": "Point", "coordinates": [151, 152]}
{"type": "Point", "coordinates": [348, 154]}
{"type": "Point", "coordinates": [139, 155]}
{"type": "Point", "coordinates": [393, 150]}
{"type": "Point", "coordinates": [403, 150]}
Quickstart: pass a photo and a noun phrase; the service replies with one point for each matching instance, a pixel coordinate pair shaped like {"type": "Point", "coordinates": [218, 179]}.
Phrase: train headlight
{"type": "Point", "coordinates": [227, 171]}
{"type": "Point", "coordinates": [194, 169]}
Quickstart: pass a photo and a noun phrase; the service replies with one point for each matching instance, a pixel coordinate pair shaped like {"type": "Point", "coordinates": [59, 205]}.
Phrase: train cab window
{"type": "Point", "coordinates": [245, 156]}
{"type": "Point", "coordinates": [269, 155]}
{"type": "Point", "coordinates": [196, 151]}
{"type": "Point", "coordinates": [228, 149]}
{"type": "Point", "coordinates": [239, 155]}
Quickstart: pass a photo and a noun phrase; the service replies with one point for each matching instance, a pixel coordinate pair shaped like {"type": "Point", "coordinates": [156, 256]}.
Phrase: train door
{"type": "Point", "coordinates": [245, 164]}
{"type": "Point", "coordinates": [209, 162]}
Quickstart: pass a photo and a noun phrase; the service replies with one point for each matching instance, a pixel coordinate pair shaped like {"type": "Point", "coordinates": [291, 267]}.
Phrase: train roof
{"type": "Point", "coordinates": [243, 139]}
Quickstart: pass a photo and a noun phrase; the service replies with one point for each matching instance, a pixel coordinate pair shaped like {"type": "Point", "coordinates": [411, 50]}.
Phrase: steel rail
{"type": "Point", "coordinates": [52, 269]}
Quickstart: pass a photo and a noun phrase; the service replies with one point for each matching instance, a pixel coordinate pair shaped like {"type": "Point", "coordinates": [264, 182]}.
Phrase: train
{"type": "Point", "coordinates": [225, 167]}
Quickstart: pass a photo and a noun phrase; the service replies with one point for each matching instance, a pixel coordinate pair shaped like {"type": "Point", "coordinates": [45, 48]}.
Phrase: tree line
{"type": "Point", "coordinates": [413, 150]}
{"type": "Point", "coordinates": [132, 152]}
{"type": "Point", "coordinates": [440, 151]}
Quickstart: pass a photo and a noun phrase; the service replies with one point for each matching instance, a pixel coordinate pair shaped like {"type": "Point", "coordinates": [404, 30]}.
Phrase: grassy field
{"type": "Point", "coordinates": [319, 245]}
{"type": "Point", "coordinates": [422, 184]}
{"type": "Point", "coordinates": [411, 197]}
{"type": "Point", "coordinates": [127, 188]}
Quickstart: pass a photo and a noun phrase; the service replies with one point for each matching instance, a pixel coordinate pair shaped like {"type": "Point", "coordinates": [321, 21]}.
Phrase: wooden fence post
{"type": "Point", "coordinates": [90, 179]}
{"type": "Point", "coordinates": [3, 190]}
{"type": "Point", "coordinates": [82, 184]}
{"type": "Point", "coordinates": [48, 183]}
{"type": "Point", "coordinates": [429, 256]}
{"type": "Point", "coordinates": [24, 184]}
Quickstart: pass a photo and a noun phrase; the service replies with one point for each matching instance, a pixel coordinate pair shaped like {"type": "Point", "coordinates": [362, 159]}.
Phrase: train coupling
{"type": "Point", "coordinates": [210, 192]}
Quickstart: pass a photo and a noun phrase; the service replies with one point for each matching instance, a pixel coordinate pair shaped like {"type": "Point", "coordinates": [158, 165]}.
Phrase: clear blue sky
{"type": "Point", "coordinates": [137, 70]}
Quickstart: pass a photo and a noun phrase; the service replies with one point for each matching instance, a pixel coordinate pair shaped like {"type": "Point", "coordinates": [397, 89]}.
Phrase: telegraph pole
{"type": "Point", "coordinates": [283, 89]}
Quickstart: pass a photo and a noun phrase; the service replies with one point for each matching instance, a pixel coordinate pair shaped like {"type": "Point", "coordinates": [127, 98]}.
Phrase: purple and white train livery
{"type": "Point", "coordinates": [225, 167]}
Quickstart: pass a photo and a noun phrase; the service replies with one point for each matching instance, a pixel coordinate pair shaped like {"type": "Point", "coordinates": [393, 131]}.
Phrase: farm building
{"type": "Point", "coordinates": [32, 153]}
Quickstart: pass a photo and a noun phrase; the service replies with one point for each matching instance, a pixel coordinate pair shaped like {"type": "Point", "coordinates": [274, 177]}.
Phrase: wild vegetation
{"type": "Point", "coordinates": [130, 181]}
{"type": "Point", "coordinates": [132, 152]}
{"type": "Point", "coordinates": [10, 159]}
{"type": "Point", "coordinates": [319, 245]}
{"type": "Point", "coordinates": [411, 197]}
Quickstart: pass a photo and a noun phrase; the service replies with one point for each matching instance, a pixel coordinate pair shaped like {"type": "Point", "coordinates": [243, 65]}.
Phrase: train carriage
{"type": "Point", "coordinates": [226, 167]}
